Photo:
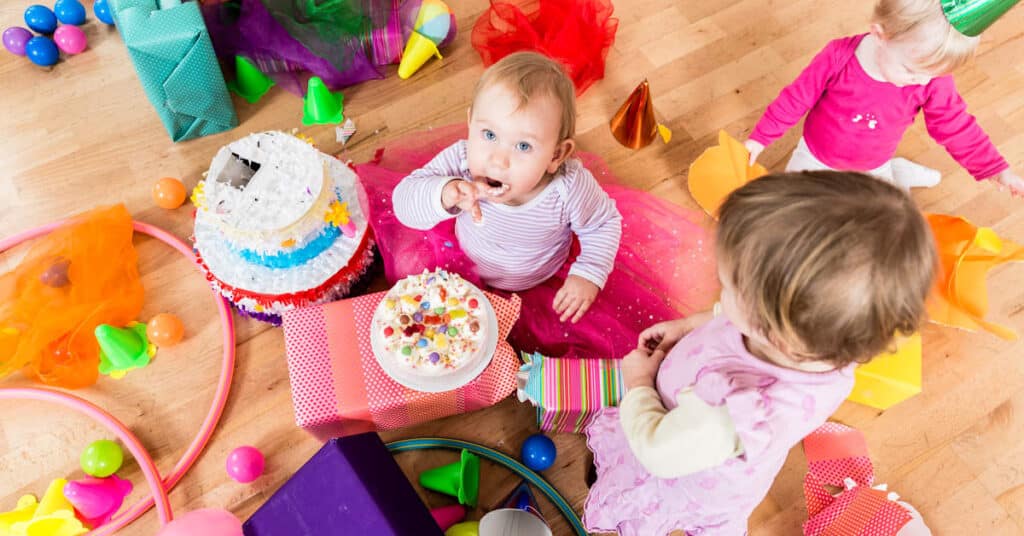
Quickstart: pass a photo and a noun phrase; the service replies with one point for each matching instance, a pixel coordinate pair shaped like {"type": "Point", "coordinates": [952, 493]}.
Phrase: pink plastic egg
{"type": "Point", "coordinates": [245, 464]}
{"type": "Point", "coordinates": [208, 522]}
{"type": "Point", "coordinates": [70, 38]}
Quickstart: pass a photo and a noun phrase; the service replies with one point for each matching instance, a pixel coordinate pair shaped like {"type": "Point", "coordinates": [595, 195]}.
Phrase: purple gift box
{"type": "Point", "coordinates": [352, 485]}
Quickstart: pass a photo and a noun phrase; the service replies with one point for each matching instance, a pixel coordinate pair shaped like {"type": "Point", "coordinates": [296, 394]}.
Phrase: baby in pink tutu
{"type": "Point", "coordinates": [516, 197]}
{"type": "Point", "coordinates": [819, 270]}
{"type": "Point", "coordinates": [530, 217]}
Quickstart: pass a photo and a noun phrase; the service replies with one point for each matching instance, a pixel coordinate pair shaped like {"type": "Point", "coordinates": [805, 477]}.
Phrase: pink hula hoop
{"type": "Point", "coordinates": [158, 488]}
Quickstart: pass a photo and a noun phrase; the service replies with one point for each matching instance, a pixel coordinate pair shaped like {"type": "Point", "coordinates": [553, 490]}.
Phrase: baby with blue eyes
{"type": "Point", "coordinates": [519, 199]}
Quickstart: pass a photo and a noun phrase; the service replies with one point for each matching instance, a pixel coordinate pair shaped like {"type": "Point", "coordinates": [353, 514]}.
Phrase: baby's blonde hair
{"type": "Point", "coordinates": [827, 265]}
{"type": "Point", "coordinates": [905, 19]}
{"type": "Point", "coordinates": [530, 74]}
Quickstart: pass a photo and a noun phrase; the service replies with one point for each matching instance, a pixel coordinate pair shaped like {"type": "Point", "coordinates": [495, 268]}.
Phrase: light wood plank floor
{"type": "Point", "coordinates": [83, 134]}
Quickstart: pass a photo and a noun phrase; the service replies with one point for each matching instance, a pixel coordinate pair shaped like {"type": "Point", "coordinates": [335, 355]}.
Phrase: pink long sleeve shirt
{"type": "Point", "coordinates": [855, 122]}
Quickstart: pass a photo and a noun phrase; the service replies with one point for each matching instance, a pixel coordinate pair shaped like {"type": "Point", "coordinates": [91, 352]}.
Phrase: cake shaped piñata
{"type": "Point", "coordinates": [280, 225]}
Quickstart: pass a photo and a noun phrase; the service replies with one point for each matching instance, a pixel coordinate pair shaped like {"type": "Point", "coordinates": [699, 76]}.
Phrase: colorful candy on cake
{"type": "Point", "coordinates": [280, 225]}
{"type": "Point", "coordinates": [433, 323]}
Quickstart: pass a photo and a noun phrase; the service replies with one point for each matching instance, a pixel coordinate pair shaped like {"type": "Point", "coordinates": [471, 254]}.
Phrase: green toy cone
{"type": "Point", "coordinates": [250, 83]}
{"type": "Point", "coordinates": [321, 107]}
{"type": "Point", "coordinates": [122, 348]}
{"type": "Point", "coordinates": [460, 479]}
{"type": "Point", "coordinates": [971, 17]}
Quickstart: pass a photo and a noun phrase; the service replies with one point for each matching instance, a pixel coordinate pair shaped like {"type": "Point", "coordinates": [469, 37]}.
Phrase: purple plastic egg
{"type": "Point", "coordinates": [15, 38]}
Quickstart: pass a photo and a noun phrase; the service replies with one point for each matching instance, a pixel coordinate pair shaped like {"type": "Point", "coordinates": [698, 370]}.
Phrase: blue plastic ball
{"type": "Point", "coordinates": [42, 51]}
{"type": "Point", "coordinates": [102, 11]}
{"type": "Point", "coordinates": [40, 19]}
{"type": "Point", "coordinates": [538, 452]}
{"type": "Point", "coordinates": [69, 12]}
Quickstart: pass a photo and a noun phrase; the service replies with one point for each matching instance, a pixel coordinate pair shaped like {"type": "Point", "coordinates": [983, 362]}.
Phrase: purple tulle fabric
{"type": "Point", "coordinates": [247, 28]}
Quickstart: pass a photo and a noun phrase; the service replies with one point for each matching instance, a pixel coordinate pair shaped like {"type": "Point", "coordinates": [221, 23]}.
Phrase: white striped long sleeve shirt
{"type": "Point", "coordinates": [518, 247]}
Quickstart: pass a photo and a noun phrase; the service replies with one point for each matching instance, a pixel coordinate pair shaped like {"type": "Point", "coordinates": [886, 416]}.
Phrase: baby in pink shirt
{"type": "Point", "coordinates": [861, 93]}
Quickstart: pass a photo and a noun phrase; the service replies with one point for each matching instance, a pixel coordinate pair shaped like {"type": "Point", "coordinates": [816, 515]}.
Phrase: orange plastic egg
{"type": "Point", "coordinates": [169, 193]}
{"type": "Point", "coordinates": [165, 329]}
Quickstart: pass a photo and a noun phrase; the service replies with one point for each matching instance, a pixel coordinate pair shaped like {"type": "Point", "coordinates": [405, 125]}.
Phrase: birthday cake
{"type": "Point", "coordinates": [432, 324]}
{"type": "Point", "coordinates": [280, 225]}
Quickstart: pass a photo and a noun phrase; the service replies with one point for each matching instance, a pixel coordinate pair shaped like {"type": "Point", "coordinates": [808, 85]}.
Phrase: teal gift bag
{"type": "Point", "coordinates": [174, 58]}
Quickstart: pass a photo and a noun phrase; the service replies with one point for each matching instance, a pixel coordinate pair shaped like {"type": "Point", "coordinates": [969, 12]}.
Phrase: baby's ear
{"type": "Point", "coordinates": [563, 150]}
{"type": "Point", "coordinates": [878, 32]}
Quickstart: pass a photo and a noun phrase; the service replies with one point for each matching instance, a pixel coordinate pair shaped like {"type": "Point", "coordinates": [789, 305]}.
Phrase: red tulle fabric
{"type": "Point", "coordinates": [664, 267]}
{"type": "Point", "coordinates": [577, 33]}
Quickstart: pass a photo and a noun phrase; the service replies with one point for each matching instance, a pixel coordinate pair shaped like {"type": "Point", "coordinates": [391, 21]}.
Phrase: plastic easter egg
{"type": "Point", "coordinates": [71, 39]}
{"type": "Point", "coordinates": [538, 452]}
{"type": "Point", "coordinates": [168, 193]}
{"type": "Point", "coordinates": [69, 12]}
{"type": "Point", "coordinates": [15, 38]}
{"type": "Point", "coordinates": [165, 329]}
{"type": "Point", "coordinates": [208, 522]}
{"type": "Point", "coordinates": [466, 528]}
{"type": "Point", "coordinates": [40, 19]}
{"type": "Point", "coordinates": [102, 11]}
{"type": "Point", "coordinates": [102, 458]}
{"type": "Point", "coordinates": [245, 464]}
{"type": "Point", "coordinates": [42, 51]}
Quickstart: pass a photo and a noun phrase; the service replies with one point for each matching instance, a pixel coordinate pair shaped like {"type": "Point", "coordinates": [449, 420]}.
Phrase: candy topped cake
{"type": "Point", "coordinates": [432, 324]}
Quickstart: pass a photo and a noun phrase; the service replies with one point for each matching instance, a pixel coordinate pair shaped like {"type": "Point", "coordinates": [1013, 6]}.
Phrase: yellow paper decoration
{"type": "Point", "coordinates": [966, 254]}
{"type": "Point", "coordinates": [720, 170]}
{"type": "Point", "coordinates": [890, 378]}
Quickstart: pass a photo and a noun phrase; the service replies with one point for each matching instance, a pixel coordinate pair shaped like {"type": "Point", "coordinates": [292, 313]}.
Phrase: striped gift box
{"type": "Point", "coordinates": [568, 392]}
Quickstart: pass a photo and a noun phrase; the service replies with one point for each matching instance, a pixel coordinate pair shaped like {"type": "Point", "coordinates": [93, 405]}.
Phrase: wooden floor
{"type": "Point", "coordinates": [83, 134]}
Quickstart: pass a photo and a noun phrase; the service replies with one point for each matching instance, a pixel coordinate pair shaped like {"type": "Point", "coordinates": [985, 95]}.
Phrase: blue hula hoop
{"type": "Point", "coordinates": [501, 459]}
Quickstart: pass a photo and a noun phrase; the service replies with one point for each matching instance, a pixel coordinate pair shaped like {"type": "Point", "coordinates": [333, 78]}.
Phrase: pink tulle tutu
{"type": "Point", "coordinates": [664, 267]}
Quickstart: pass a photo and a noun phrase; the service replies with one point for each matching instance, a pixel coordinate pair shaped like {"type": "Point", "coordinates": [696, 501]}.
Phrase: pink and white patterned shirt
{"type": "Point", "coordinates": [771, 409]}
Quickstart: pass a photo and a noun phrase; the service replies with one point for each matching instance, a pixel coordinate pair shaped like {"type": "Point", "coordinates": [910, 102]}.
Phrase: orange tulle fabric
{"type": "Point", "coordinates": [83, 274]}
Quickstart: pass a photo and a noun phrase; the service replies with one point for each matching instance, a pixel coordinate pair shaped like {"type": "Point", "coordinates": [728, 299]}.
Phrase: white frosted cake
{"type": "Point", "coordinates": [280, 225]}
{"type": "Point", "coordinates": [432, 324]}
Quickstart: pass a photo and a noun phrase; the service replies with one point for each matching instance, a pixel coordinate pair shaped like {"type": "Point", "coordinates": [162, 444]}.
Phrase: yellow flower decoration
{"type": "Point", "coordinates": [198, 197]}
{"type": "Point", "coordinates": [305, 138]}
{"type": "Point", "coordinates": [338, 214]}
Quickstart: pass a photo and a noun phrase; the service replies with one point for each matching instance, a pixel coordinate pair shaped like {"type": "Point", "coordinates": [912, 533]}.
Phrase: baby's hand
{"type": "Point", "coordinates": [466, 195]}
{"type": "Point", "coordinates": [574, 298]}
{"type": "Point", "coordinates": [755, 149]}
{"type": "Point", "coordinates": [639, 368]}
{"type": "Point", "coordinates": [661, 337]}
{"type": "Point", "coordinates": [1011, 180]}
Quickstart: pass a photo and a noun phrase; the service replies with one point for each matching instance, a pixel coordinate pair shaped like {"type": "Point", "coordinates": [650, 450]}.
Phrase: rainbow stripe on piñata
{"type": "Point", "coordinates": [569, 392]}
